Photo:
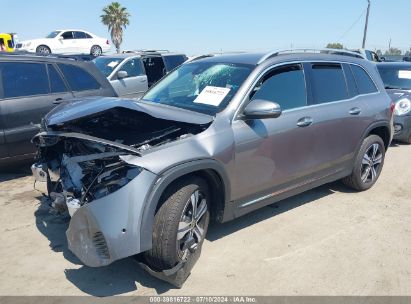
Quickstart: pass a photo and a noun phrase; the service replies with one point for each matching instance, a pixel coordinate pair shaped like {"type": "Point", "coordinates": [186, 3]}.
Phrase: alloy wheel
{"type": "Point", "coordinates": [43, 50]}
{"type": "Point", "coordinates": [192, 225]}
{"type": "Point", "coordinates": [95, 51]}
{"type": "Point", "coordinates": [371, 163]}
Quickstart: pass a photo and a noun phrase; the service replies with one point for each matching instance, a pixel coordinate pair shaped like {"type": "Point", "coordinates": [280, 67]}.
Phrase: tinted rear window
{"type": "Point", "coordinates": [396, 77]}
{"type": "Point", "coordinates": [24, 79]}
{"type": "Point", "coordinates": [364, 83]}
{"type": "Point", "coordinates": [79, 79]}
{"type": "Point", "coordinates": [328, 82]}
{"type": "Point", "coordinates": [171, 62]}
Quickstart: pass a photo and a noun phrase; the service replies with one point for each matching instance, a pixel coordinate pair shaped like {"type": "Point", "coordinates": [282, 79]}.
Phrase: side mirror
{"type": "Point", "coordinates": [60, 38]}
{"type": "Point", "coordinates": [261, 109]}
{"type": "Point", "coordinates": [122, 74]}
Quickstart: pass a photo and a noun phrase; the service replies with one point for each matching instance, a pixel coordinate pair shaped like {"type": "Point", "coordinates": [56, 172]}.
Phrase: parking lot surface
{"type": "Point", "coordinates": [328, 241]}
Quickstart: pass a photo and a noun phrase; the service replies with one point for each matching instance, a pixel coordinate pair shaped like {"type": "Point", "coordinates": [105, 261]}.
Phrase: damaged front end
{"type": "Point", "coordinates": [86, 164]}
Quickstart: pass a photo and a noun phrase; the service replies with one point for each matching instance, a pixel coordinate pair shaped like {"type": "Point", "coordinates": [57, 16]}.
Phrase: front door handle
{"type": "Point", "coordinates": [305, 122]}
{"type": "Point", "coordinates": [355, 111]}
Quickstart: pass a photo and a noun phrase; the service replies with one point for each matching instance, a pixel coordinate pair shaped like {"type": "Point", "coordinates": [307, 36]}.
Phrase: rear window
{"type": "Point", "coordinates": [364, 83]}
{"type": "Point", "coordinates": [79, 79]}
{"type": "Point", "coordinates": [173, 61]}
{"type": "Point", "coordinates": [396, 77]}
{"type": "Point", "coordinates": [328, 82]}
{"type": "Point", "coordinates": [23, 79]}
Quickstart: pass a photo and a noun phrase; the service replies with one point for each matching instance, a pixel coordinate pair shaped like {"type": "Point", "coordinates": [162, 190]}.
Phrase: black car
{"type": "Point", "coordinates": [397, 80]}
{"type": "Point", "coordinates": [30, 86]}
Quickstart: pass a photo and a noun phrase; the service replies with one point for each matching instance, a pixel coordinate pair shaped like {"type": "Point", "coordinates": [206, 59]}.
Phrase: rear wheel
{"type": "Point", "coordinates": [180, 224]}
{"type": "Point", "coordinates": [368, 164]}
{"type": "Point", "coordinates": [96, 51]}
{"type": "Point", "coordinates": [43, 49]}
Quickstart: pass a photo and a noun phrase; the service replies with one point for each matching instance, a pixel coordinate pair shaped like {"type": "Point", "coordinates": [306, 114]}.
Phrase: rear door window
{"type": "Point", "coordinates": [364, 83]}
{"type": "Point", "coordinates": [284, 85]}
{"type": "Point", "coordinates": [328, 82]}
{"type": "Point", "coordinates": [23, 79]}
{"type": "Point", "coordinates": [79, 35]}
{"type": "Point", "coordinates": [133, 68]}
{"type": "Point", "coordinates": [56, 82]}
{"type": "Point", "coordinates": [79, 79]}
{"type": "Point", "coordinates": [173, 61]}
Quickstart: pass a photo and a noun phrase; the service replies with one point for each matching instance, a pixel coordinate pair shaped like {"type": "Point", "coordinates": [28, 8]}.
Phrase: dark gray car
{"type": "Point", "coordinates": [216, 139]}
{"type": "Point", "coordinates": [30, 86]}
{"type": "Point", "coordinates": [397, 80]}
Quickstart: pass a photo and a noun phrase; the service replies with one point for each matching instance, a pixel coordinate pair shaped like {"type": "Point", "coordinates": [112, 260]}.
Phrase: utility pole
{"type": "Point", "coordinates": [366, 25]}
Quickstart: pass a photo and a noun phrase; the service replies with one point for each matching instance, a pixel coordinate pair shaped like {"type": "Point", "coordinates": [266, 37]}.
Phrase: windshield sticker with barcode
{"type": "Point", "coordinates": [404, 74]}
{"type": "Point", "coordinates": [212, 96]}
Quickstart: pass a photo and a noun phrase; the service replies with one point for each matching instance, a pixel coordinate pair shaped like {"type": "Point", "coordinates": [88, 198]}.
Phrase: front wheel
{"type": "Point", "coordinates": [43, 49]}
{"type": "Point", "coordinates": [96, 51]}
{"type": "Point", "coordinates": [368, 164]}
{"type": "Point", "coordinates": [180, 224]}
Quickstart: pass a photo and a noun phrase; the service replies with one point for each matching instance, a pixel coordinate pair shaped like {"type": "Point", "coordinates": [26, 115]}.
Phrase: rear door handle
{"type": "Point", "coordinates": [58, 101]}
{"type": "Point", "coordinates": [355, 111]}
{"type": "Point", "coordinates": [305, 122]}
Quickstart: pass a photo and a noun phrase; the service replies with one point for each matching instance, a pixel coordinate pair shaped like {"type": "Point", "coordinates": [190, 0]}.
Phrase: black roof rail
{"type": "Point", "coordinates": [78, 57]}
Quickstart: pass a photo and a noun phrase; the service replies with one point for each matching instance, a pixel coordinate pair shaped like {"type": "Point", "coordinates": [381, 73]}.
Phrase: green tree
{"type": "Point", "coordinates": [408, 53]}
{"type": "Point", "coordinates": [116, 18]}
{"type": "Point", "coordinates": [335, 45]}
{"type": "Point", "coordinates": [379, 53]}
{"type": "Point", "coordinates": [393, 51]}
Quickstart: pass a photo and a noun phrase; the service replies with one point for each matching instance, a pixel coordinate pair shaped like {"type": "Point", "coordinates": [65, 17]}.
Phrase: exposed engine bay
{"type": "Point", "coordinates": [81, 159]}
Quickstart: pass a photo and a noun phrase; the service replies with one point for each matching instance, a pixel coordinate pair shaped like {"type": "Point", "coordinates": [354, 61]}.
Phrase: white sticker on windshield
{"type": "Point", "coordinates": [113, 64]}
{"type": "Point", "coordinates": [404, 74]}
{"type": "Point", "coordinates": [212, 96]}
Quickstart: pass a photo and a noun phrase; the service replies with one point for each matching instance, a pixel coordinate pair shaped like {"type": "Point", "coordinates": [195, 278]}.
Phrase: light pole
{"type": "Point", "coordinates": [366, 25]}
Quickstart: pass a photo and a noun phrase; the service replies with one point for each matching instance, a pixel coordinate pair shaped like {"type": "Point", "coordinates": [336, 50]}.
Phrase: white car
{"type": "Point", "coordinates": [67, 42]}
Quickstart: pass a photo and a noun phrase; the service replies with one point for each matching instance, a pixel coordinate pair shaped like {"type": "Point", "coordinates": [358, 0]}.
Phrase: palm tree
{"type": "Point", "coordinates": [116, 18]}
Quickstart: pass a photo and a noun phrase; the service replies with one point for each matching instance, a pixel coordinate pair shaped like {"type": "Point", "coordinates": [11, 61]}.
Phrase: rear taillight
{"type": "Point", "coordinates": [392, 107]}
{"type": "Point", "coordinates": [107, 42]}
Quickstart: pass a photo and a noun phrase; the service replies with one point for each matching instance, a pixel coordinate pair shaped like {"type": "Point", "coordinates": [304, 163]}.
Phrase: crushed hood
{"type": "Point", "coordinates": [79, 108]}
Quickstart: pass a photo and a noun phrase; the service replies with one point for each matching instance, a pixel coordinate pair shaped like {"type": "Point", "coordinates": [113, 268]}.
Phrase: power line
{"type": "Point", "coordinates": [354, 24]}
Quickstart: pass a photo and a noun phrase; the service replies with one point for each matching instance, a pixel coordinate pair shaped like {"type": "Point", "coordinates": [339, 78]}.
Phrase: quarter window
{"type": "Point", "coordinates": [133, 68]}
{"type": "Point", "coordinates": [23, 79]}
{"type": "Point", "coordinates": [285, 86]}
{"type": "Point", "coordinates": [56, 83]}
{"type": "Point", "coordinates": [79, 79]}
{"type": "Point", "coordinates": [364, 83]}
{"type": "Point", "coordinates": [328, 82]}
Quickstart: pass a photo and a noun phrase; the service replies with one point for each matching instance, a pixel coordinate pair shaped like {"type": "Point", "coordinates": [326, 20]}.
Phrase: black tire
{"type": "Point", "coordinates": [43, 49]}
{"type": "Point", "coordinates": [167, 250]}
{"type": "Point", "coordinates": [96, 51]}
{"type": "Point", "coordinates": [356, 180]}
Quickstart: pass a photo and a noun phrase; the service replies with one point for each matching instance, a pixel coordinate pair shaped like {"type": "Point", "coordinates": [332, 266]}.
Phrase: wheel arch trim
{"type": "Point", "coordinates": [165, 179]}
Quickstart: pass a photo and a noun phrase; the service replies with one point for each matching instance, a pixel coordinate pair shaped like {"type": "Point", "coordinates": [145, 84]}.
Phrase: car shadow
{"type": "Point", "coordinates": [123, 276]}
{"type": "Point", "coordinates": [218, 231]}
{"type": "Point", "coordinates": [10, 172]}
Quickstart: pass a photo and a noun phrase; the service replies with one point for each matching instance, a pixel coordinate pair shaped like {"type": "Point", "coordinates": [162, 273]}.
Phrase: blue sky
{"type": "Point", "coordinates": [202, 26]}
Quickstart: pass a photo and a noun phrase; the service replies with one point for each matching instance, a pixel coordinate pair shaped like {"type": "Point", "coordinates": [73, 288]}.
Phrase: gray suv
{"type": "Point", "coordinates": [217, 138]}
